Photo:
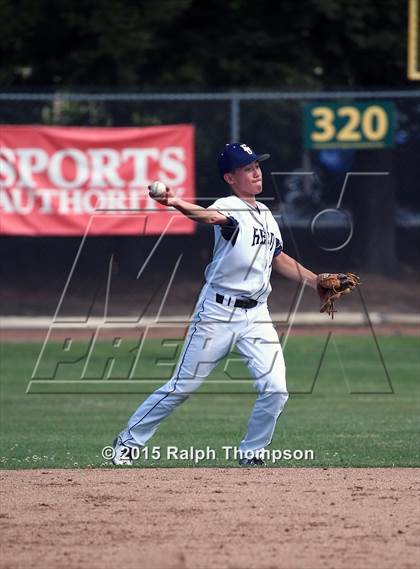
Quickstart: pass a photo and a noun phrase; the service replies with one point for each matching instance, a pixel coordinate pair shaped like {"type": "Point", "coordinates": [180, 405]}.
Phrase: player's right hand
{"type": "Point", "coordinates": [164, 199]}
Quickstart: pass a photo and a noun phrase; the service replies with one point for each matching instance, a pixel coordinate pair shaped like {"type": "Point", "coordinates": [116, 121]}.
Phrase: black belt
{"type": "Point", "coordinates": [239, 303]}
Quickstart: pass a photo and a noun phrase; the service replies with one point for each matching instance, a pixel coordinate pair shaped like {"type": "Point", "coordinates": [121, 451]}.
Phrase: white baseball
{"type": "Point", "coordinates": [157, 189]}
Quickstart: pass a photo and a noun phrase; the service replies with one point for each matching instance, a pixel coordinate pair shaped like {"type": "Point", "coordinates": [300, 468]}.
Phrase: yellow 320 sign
{"type": "Point", "coordinates": [350, 125]}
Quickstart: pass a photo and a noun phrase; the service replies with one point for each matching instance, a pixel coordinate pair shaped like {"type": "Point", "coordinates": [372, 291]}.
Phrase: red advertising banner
{"type": "Point", "coordinates": [56, 180]}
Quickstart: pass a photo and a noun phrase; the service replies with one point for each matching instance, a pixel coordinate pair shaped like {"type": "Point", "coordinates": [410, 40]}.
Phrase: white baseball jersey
{"type": "Point", "coordinates": [244, 249]}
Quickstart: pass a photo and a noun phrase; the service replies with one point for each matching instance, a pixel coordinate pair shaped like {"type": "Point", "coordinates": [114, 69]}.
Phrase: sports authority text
{"type": "Point", "coordinates": [79, 180]}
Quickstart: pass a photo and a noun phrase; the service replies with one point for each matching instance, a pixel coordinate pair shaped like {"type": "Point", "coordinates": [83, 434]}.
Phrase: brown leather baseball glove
{"type": "Point", "coordinates": [331, 286]}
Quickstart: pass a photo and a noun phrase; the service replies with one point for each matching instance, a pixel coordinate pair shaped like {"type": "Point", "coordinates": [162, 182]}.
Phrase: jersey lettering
{"type": "Point", "coordinates": [261, 237]}
{"type": "Point", "coordinates": [256, 238]}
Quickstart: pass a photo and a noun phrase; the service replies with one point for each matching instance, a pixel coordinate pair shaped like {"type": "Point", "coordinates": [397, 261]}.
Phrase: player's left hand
{"type": "Point", "coordinates": [331, 286]}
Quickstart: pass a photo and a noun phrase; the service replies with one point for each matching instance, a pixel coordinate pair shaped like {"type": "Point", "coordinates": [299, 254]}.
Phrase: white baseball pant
{"type": "Point", "coordinates": [213, 331]}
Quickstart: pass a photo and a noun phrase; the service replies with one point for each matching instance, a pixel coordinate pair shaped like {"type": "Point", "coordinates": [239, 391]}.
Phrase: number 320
{"type": "Point", "coordinates": [370, 123]}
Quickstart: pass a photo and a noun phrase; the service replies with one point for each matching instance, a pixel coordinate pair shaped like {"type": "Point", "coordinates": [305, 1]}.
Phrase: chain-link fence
{"type": "Point", "coordinates": [328, 218]}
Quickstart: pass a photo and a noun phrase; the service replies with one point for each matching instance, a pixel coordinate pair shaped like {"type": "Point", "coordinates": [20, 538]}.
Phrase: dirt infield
{"type": "Point", "coordinates": [39, 335]}
{"type": "Point", "coordinates": [203, 518]}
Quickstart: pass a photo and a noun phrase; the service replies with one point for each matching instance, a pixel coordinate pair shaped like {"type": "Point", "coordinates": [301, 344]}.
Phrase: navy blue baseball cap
{"type": "Point", "coordinates": [236, 155]}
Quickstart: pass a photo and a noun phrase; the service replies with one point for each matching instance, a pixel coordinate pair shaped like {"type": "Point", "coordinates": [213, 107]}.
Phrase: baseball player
{"type": "Point", "coordinates": [231, 309]}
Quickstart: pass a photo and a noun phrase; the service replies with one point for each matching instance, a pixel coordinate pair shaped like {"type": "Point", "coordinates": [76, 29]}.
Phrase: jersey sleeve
{"type": "Point", "coordinates": [222, 207]}
{"type": "Point", "coordinates": [231, 229]}
{"type": "Point", "coordinates": [278, 248]}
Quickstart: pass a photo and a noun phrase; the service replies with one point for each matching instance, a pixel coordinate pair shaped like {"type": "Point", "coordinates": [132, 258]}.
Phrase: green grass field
{"type": "Point", "coordinates": [354, 414]}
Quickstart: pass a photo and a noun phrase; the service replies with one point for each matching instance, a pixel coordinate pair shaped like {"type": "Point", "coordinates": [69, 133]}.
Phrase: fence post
{"type": "Point", "coordinates": [235, 119]}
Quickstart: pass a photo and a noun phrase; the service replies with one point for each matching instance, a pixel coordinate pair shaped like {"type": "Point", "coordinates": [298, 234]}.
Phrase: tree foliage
{"type": "Point", "coordinates": [189, 44]}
